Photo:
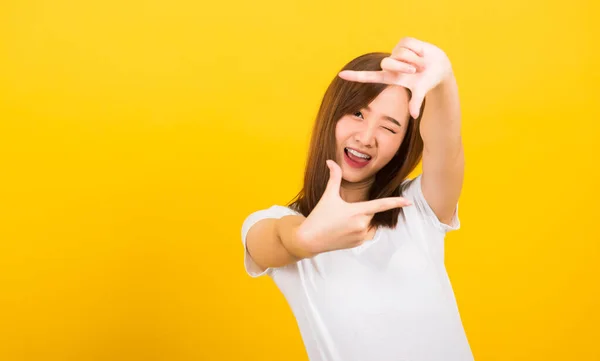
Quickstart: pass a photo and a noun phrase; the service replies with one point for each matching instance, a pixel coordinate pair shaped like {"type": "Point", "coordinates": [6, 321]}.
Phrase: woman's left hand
{"type": "Point", "coordinates": [413, 64]}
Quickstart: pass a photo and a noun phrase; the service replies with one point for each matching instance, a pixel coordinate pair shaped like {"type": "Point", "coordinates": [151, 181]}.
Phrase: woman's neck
{"type": "Point", "coordinates": [355, 192]}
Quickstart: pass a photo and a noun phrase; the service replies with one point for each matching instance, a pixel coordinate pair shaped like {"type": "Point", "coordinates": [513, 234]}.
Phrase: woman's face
{"type": "Point", "coordinates": [368, 139]}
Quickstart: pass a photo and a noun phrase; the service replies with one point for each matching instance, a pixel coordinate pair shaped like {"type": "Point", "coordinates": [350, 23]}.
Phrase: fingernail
{"type": "Point", "coordinates": [412, 69]}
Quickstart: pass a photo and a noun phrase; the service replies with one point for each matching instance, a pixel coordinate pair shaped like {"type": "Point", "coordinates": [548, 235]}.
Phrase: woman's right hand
{"type": "Point", "coordinates": [336, 224]}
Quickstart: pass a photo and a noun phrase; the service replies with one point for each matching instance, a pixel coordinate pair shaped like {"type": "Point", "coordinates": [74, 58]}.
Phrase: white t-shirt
{"type": "Point", "coordinates": [387, 299]}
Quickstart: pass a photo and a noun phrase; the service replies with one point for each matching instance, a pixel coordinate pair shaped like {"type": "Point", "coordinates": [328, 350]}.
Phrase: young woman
{"type": "Point", "coordinates": [359, 253]}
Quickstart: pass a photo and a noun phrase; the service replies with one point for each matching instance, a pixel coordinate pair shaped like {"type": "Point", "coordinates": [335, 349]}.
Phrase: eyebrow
{"type": "Point", "coordinates": [387, 117]}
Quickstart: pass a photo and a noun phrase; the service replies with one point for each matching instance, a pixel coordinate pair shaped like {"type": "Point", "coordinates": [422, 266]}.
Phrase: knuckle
{"type": "Point", "coordinates": [357, 230]}
{"type": "Point", "coordinates": [407, 39]}
{"type": "Point", "coordinates": [384, 64]}
{"type": "Point", "coordinates": [399, 50]}
{"type": "Point", "coordinates": [361, 224]}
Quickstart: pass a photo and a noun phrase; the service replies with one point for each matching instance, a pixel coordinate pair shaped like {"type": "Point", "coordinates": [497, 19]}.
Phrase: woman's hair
{"type": "Point", "coordinates": [346, 97]}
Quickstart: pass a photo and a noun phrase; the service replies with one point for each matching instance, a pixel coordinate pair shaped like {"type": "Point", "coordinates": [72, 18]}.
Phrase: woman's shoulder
{"type": "Point", "coordinates": [410, 186]}
{"type": "Point", "coordinates": [411, 180]}
{"type": "Point", "coordinates": [274, 211]}
{"type": "Point", "coordinates": [411, 189]}
{"type": "Point", "coordinates": [283, 209]}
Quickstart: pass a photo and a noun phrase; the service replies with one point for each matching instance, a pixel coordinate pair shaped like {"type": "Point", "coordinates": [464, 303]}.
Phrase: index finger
{"type": "Point", "coordinates": [383, 204]}
{"type": "Point", "coordinates": [410, 43]}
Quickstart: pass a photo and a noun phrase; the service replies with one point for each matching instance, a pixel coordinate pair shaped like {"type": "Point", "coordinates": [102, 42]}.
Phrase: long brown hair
{"type": "Point", "coordinates": [346, 97]}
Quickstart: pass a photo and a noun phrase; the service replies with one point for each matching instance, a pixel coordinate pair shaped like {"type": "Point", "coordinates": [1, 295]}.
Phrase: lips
{"type": "Point", "coordinates": [357, 153]}
{"type": "Point", "coordinates": [355, 161]}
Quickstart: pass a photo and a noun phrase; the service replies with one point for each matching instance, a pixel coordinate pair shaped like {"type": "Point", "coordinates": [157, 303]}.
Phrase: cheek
{"type": "Point", "coordinates": [342, 131]}
{"type": "Point", "coordinates": [388, 148]}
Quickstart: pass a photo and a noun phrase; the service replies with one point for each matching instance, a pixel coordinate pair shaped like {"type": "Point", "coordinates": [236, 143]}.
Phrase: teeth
{"type": "Point", "coordinates": [361, 155]}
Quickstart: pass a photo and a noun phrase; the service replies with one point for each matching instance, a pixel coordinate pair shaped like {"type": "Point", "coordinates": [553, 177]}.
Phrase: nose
{"type": "Point", "coordinates": [366, 135]}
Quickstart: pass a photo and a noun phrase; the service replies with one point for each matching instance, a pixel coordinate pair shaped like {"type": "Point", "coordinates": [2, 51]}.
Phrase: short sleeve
{"type": "Point", "coordinates": [411, 189]}
{"type": "Point", "coordinates": [275, 211]}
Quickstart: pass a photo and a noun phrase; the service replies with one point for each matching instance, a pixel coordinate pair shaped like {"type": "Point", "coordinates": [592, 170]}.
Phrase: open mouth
{"type": "Point", "coordinates": [355, 158]}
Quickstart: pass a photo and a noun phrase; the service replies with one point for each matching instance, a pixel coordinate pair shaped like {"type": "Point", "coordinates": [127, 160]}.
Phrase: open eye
{"type": "Point", "coordinates": [358, 114]}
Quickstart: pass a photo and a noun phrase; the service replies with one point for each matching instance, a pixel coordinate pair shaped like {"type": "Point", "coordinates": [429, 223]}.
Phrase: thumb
{"type": "Point", "coordinates": [335, 178]}
{"type": "Point", "coordinates": [414, 106]}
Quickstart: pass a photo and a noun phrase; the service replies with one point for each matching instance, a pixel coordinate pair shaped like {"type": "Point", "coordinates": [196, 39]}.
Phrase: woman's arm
{"type": "Point", "coordinates": [443, 154]}
{"type": "Point", "coordinates": [333, 224]}
{"type": "Point", "coordinates": [273, 242]}
{"type": "Point", "coordinates": [425, 70]}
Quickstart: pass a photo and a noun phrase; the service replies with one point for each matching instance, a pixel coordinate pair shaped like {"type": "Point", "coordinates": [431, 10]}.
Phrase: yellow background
{"type": "Point", "coordinates": [135, 137]}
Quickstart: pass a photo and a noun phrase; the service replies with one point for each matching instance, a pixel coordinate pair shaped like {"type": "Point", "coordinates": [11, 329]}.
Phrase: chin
{"type": "Point", "coordinates": [353, 175]}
